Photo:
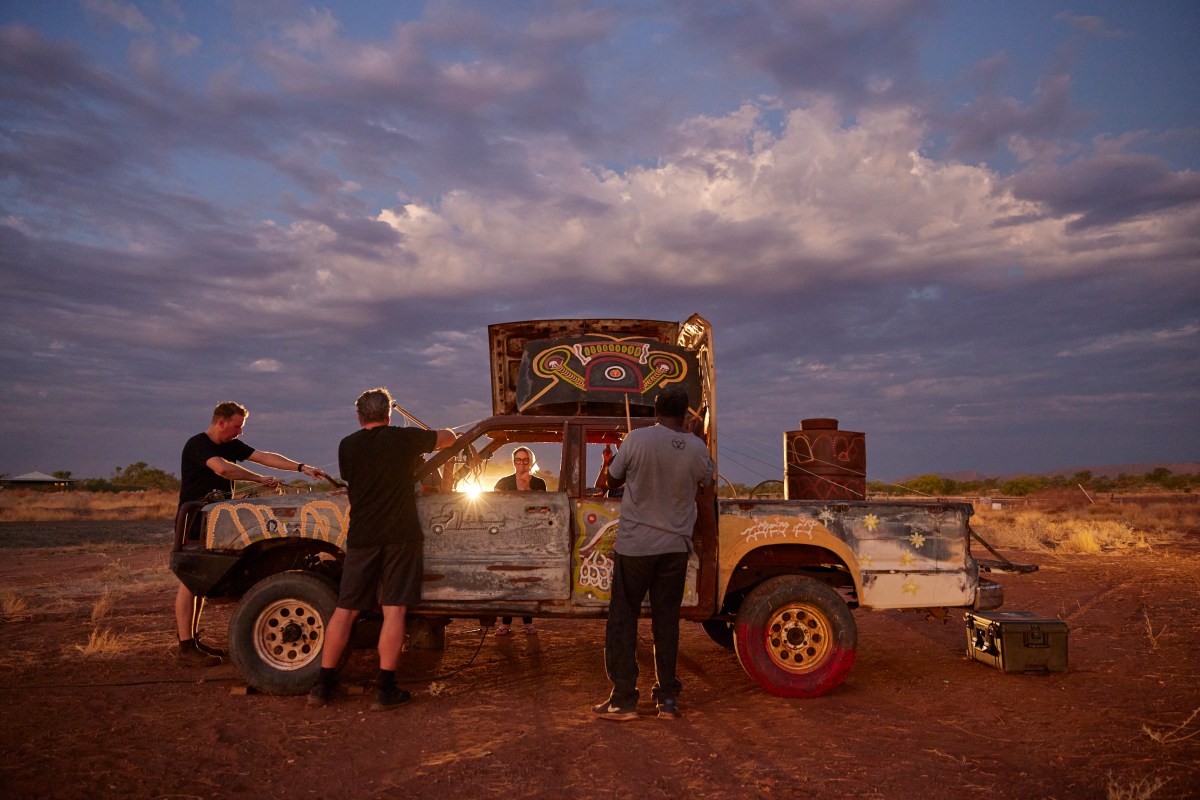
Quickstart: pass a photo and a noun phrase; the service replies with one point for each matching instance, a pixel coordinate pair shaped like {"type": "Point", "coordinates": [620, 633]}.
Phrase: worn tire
{"type": "Point", "coordinates": [277, 631]}
{"type": "Point", "coordinates": [795, 636]}
{"type": "Point", "coordinates": [720, 631]}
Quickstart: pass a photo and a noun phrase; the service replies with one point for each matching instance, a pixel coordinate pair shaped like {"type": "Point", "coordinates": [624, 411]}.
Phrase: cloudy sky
{"type": "Point", "coordinates": [971, 230]}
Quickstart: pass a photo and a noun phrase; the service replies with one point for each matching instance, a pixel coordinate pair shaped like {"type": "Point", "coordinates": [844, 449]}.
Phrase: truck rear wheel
{"type": "Point", "coordinates": [278, 629]}
{"type": "Point", "coordinates": [795, 637]}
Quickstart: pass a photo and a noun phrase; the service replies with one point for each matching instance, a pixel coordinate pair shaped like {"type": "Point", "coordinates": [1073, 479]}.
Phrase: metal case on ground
{"type": "Point", "coordinates": [1017, 641]}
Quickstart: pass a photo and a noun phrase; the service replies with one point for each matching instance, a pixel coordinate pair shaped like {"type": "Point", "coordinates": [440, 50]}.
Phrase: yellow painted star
{"type": "Point", "coordinates": [916, 540]}
{"type": "Point", "coordinates": [911, 588]}
{"type": "Point", "coordinates": [907, 559]}
{"type": "Point", "coordinates": [866, 561]}
{"type": "Point", "coordinates": [871, 522]}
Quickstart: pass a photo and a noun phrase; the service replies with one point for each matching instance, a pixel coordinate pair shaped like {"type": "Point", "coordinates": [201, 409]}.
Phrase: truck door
{"type": "Point", "coordinates": [597, 518]}
{"type": "Point", "coordinates": [496, 545]}
{"type": "Point", "coordinates": [483, 545]}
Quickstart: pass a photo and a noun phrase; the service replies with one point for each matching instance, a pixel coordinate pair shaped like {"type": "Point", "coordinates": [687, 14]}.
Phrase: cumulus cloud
{"type": "Point", "coordinates": [1108, 187]}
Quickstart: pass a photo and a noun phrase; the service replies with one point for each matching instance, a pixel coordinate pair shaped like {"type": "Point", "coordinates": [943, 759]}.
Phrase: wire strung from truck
{"type": "Point", "coordinates": [725, 449]}
{"type": "Point", "coordinates": [794, 466]}
{"type": "Point", "coordinates": [761, 446]}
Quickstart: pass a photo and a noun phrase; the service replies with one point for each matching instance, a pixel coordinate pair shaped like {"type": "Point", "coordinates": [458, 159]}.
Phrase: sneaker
{"type": "Point", "coordinates": [186, 655]}
{"type": "Point", "coordinates": [319, 695]}
{"type": "Point", "coordinates": [607, 710]}
{"type": "Point", "coordinates": [205, 647]}
{"type": "Point", "coordinates": [530, 630]}
{"type": "Point", "coordinates": [668, 708]}
{"type": "Point", "coordinates": [387, 699]}
{"type": "Point", "coordinates": [503, 630]}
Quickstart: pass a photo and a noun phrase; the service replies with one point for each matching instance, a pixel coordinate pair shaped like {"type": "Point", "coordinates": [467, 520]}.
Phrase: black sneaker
{"type": "Point", "coordinates": [387, 699]}
{"type": "Point", "coordinates": [668, 708]}
{"type": "Point", "coordinates": [319, 695]}
{"type": "Point", "coordinates": [607, 710]}
{"type": "Point", "coordinates": [186, 655]}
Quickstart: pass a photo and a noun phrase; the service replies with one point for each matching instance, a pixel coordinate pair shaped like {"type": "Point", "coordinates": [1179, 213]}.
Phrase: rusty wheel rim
{"type": "Point", "coordinates": [288, 634]}
{"type": "Point", "coordinates": [798, 638]}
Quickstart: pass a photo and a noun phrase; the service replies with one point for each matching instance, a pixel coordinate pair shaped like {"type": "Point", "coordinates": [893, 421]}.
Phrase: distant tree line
{"type": "Point", "coordinates": [138, 477]}
{"type": "Point", "coordinates": [1160, 479]}
{"type": "Point", "coordinates": [134, 477]}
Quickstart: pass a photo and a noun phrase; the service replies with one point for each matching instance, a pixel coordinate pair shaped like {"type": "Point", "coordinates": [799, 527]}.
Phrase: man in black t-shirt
{"type": "Point", "coordinates": [209, 464]}
{"type": "Point", "coordinates": [384, 546]}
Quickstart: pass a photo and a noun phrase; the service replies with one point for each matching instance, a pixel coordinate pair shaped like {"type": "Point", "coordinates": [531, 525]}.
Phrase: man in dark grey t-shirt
{"type": "Point", "coordinates": [661, 467]}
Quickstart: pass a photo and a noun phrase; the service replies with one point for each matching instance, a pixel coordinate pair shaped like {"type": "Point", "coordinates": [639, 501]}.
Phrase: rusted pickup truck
{"type": "Point", "coordinates": [773, 579]}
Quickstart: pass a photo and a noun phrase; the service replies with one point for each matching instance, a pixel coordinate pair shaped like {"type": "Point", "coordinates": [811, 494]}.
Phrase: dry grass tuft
{"type": "Point", "coordinates": [103, 605]}
{"type": "Point", "coordinates": [1173, 735]}
{"type": "Point", "coordinates": [13, 605]}
{"type": "Point", "coordinates": [109, 644]}
{"type": "Point", "coordinates": [1134, 790]}
{"type": "Point", "coordinates": [127, 576]}
{"type": "Point", "coordinates": [30, 505]}
{"type": "Point", "coordinates": [102, 643]}
{"type": "Point", "coordinates": [1084, 529]}
{"type": "Point", "coordinates": [1154, 637]}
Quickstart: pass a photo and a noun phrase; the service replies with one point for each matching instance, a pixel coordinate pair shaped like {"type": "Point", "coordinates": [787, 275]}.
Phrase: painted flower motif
{"type": "Point", "coordinates": [866, 560]}
{"type": "Point", "coordinates": [911, 588]}
{"type": "Point", "coordinates": [871, 522]}
{"type": "Point", "coordinates": [916, 540]}
{"type": "Point", "coordinates": [908, 559]}
{"type": "Point", "coordinates": [827, 516]}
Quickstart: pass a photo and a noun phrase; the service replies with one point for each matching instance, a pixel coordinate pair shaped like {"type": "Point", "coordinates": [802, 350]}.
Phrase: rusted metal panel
{"type": "Point", "coordinates": [496, 546]}
{"type": "Point", "coordinates": [824, 463]}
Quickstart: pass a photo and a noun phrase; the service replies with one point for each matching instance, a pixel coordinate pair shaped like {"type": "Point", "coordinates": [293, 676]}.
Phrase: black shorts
{"type": "Point", "coordinates": [388, 574]}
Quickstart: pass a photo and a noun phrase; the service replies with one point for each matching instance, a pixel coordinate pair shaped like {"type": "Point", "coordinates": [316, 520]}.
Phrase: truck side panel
{"type": "Point", "coordinates": [900, 555]}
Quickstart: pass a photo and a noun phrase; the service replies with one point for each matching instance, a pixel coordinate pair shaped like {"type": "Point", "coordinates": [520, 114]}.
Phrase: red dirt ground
{"type": "Point", "coordinates": [914, 718]}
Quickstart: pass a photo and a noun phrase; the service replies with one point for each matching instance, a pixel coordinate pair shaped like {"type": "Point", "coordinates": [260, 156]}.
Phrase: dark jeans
{"type": "Point", "coordinates": [633, 576]}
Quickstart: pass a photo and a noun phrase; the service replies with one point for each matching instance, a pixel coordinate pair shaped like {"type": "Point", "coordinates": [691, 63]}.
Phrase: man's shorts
{"type": "Point", "coordinates": [390, 574]}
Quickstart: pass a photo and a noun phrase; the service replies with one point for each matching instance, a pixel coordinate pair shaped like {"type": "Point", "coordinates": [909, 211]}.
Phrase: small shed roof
{"type": "Point", "coordinates": [38, 477]}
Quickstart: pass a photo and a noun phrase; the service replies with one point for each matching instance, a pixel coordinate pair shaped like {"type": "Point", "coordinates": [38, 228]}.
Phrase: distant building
{"type": "Point", "coordinates": [36, 480]}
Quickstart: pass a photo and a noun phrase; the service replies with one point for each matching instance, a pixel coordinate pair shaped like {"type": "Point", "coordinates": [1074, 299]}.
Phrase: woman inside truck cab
{"type": "Point", "coordinates": [522, 480]}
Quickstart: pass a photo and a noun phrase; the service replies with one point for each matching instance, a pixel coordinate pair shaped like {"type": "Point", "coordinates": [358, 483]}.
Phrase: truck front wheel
{"type": "Point", "coordinates": [795, 636]}
{"type": "Point", "coordinates": [277, 631]}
